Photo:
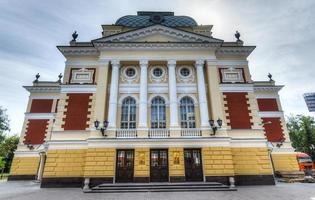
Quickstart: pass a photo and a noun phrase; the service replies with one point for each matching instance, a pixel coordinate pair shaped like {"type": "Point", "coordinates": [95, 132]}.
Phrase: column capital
{"type": "Point", "coordinates": [143, 62]}
{"type": "Point", "coordinates": [103, 62]}
{"type": "Point", "coordinates": [199, 63]}
{"type": "Point", "coordinates": [115, 63]}
{"type": "Point", "coordinates": [212, 62]}
{"type": "Point", "coordinates": [171, 62]}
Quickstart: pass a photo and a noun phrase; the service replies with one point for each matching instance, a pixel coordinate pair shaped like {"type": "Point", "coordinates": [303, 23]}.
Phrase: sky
{"type": "Point", "coordinates": [282, 30]}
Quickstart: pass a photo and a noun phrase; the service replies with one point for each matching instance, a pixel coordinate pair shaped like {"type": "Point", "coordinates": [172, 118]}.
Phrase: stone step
{"type": "Point", "coordinates": [159, 187]}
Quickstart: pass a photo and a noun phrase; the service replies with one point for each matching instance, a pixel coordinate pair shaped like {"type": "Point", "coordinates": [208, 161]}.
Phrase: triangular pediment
{"type": "Point", "coordinates": [157, 33]}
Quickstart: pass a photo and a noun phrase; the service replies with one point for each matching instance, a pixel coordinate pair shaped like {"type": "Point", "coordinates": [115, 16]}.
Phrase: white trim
{"type": "Point", "coordinates": [33, 153]}
{"type": "Point", "coordinates": [194, 98]}
{"type": "Point", "coordinates": [129, 88]}
{"type": "Point", "coordinates": [236, 87]}
{"type": "Point", "coordinates": [78, 89]}
{"type": "Point", "coordinates": [164, 96]}
{"type": "Point", "coordinates": [270, 114]}
{"type": "Point", "coordinates": [44, 97]}
{"type": "Point", "coordinates": [267, 96]}
{"type": "Point", "coordinates": [40, 115]}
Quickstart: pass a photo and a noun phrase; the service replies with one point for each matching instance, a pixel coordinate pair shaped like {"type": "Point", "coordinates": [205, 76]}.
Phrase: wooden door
{"type": "Point", "coordinates": [124, 166]}
{"type": "Point", "coordinates": [158, 165]}
{"type": "Point", "coordinates": [193, 165]}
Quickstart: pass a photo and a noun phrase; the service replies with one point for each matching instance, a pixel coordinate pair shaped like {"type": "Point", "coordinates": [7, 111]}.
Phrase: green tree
{"type": "Point", "coordinates": [7, 148]}
{"type": "Point", "coordinates": [302, 133]}
{"type": "Point", "coordinates": [4, 124]}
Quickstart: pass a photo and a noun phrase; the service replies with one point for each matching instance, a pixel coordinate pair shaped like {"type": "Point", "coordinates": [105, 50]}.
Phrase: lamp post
{"type": "Point", "coordinates": [101, 128]}
{"type": "Point", "coordinates": [214, 126]}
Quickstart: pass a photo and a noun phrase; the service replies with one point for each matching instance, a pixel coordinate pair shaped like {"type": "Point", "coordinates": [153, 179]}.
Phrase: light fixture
{"type": "Point", "coordinates": [101, 128]}
{"type": "Point", "coordinates": [214, 126]}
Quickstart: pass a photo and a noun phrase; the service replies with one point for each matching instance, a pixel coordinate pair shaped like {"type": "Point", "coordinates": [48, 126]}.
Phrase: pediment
{"type": "Point", "coordinates": [158, 33]}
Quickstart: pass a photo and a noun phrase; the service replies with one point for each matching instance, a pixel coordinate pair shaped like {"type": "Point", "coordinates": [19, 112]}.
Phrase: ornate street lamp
{"type": "Point", "coordinates": [101, 128]}
{"type": "Point", "coordinates": [214, 126]}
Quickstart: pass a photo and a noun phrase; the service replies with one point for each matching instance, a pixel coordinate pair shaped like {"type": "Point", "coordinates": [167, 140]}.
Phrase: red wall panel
{"type": "Point", "coordinates": [238, 110]}
{"type": "Point", "coordinates": [36, 131]}
{"type": "Point", "coordinates": [267, 105]}
{"type": "Point", "coordinates": [274, 131]}
{"type": "Point", "coordinates": [77, 111]}
{"type": "Point", "coordinates": [41, 105]}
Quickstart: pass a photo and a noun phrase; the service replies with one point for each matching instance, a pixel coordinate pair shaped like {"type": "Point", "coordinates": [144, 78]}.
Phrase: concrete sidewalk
{"type": "Point", "coordinates": [28, 190]}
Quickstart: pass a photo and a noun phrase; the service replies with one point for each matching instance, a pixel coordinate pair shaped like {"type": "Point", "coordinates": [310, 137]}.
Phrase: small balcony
{"type": "Point", "coordinates": [191, 132]}
{"type": "Point", "coordinates": [126, 133]}
{"type": "Point", "coordinates": [159, 133]}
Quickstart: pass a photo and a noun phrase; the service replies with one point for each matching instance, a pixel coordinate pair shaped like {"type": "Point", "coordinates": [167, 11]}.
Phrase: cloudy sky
{"type": "Point", "coordinates": [283, 30]}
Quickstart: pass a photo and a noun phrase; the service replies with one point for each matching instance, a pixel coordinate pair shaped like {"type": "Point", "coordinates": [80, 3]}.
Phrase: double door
{"type": "Point", "coordinates": [193, 165]}
{"type": "Point", "coordinates": [124, 166]}
{"type": "Point", "coordinates": [158, 165]}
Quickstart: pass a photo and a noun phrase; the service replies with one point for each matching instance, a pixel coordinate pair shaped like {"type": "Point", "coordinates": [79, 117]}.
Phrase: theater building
{"type": "Point", "coordinates": [155, 99]}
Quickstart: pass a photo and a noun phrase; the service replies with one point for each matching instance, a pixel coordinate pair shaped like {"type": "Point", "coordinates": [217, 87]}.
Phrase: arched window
{"type": "Point", "coordinates": [128, 113]}
{"type": "Point", "coordinates": [187, 113]}
{"type": "Point", "coordinates": [158, 113]}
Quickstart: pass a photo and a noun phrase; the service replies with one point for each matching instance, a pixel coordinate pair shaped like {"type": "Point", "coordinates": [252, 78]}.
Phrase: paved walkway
{"type": "Point", "coordinates": [28, 190]}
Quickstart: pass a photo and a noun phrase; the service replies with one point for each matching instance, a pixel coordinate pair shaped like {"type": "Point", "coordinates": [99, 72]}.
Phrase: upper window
{"type": "Point", "coordinates": [157, 72]}
{"type": "Point", "coordinates": [128, 113]}
{"type": "Point", "coordinates": [187, 113]}
{"type": "Point", "coordinates": [158, 113]}
{"type": "Point", "coordinates": [130, 72]}
{"type": "Point", "coordinates": [185, 72]}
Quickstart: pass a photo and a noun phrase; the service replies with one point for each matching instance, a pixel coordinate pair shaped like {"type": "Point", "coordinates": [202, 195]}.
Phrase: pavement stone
{"type": "Point", "coordinates": [29, 190]}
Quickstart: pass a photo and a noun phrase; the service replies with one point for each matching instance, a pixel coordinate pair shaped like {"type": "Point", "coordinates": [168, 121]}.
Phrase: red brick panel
{"type": "Point", "coordinates": [36, 131]}
{"type": "Point", "coordinates": [267, 105]}
{"type": "Point", "coordinates": [238, 110]}
{"type": "Point", "coordinates": [77, 111]}
{"type": "Point", "coordinates": [273, 130]}
{"type": "Point", "coordinates": [41, 105]}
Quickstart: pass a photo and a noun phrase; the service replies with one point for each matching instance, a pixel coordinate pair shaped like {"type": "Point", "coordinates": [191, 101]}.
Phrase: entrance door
{"type": "Point", "coordinates": [159, 165]}
{"type": "Point", "coordinates": [193, 165]}
{"type": "Point", "coordinates": [124, 166]}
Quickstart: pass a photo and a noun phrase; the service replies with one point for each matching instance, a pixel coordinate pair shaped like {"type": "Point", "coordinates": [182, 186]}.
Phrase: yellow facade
{"type": "Point", "coordinates": [142, 162]}
{"type": "Point", "coordinates": [176, 161]}
{"type": "Point", "coordinates": [285, 162]}
{"type": "Point", "coordinates": [24, 166]}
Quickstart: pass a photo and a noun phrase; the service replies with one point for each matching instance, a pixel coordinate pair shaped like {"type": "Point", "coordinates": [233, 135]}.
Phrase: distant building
{"type": "Point", "coordinates": [310, 101]}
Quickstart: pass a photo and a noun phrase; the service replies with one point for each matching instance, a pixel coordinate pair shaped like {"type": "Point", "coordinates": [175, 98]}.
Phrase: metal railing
{"type": "Point", "coordinates": [159, 133]}
{"type": "Point", "coordinates": [126, 133]}
{"type": "Point", "coordinates": [190, 132]}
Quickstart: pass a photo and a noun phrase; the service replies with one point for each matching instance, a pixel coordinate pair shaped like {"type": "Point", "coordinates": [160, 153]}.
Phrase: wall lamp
{"type": "Point", "coordinates": [214, 126]}
{"type": "Point", "coordinates": [101, 128]}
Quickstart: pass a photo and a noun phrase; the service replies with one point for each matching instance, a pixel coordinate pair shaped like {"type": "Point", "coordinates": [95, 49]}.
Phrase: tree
{"type": "Point", "coordinates": [7, 149]}
{"type": "Point", "coordinates": [4, 124]}
{"type": "Point", "coordinates": [302, 133]}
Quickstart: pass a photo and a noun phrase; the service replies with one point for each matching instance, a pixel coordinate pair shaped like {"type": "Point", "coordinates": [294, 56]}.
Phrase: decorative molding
{"type": "Point", "coordinates": [232, 75]}
{"type": "Point", "coordinates": [127, 79]}
{"type": "Point", "coordinates": [185, 79]}
{"type": "Point", "coordinates": [123, 96]}
{"type": "Point", "coordinates": [78, 51]}
{"type": "Point", "coordinates": [271, 114]}
{"type": "Point", "coordinates": [82, 76]}
{"type": "Point", "coordinates": [193, 97]}
{"type": "Point", "coordinates": [236, 88]}
{"type": "Point", "coordinates": [78, 89]}
{"type": "Point", "coordinates": [40, 115]}
{"type": "Point", "coordinates": [164, 96]}
{"type": "Point", "coordinates": [266, 96]}
{"type": "Point", "coordinates": [155, 79]}
{"type": "Point", "coordinates": [163, 30]}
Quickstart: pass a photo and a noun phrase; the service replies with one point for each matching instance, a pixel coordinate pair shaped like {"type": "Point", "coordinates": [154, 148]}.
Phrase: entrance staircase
{"type": "Point", "coordinates": [159, 187]}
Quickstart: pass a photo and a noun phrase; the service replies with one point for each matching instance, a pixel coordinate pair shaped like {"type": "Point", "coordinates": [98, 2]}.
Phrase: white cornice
{"type": "Point", "coordinates": [78, 51]}
{"type": "Point", "coordinates": [236, 87]}
{"type": "Point", "coordinates": [271, 114]}
{"type": "Point", "coordinates": [235, 50]}
{"type": "Point", "coordinates": [40, 115]}
{"type": "Point", "coordinates": [44, 97]}
{"type": "Point", "coordinates": [266, 96]}
{"type": "Point", "coordinates": [42, 89]}
{"type": "Point", "coordinates": [78, 89]}
{"type": "Point", "coordinates": [271, 88]}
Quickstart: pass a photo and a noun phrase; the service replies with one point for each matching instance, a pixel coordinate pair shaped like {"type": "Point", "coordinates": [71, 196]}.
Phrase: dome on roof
{"type": "Point", "coordinates": [144, 19]}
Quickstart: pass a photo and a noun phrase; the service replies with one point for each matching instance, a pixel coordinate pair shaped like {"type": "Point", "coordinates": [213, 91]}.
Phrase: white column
{"type": "Point", "coordinates": [171, 64]}
{"type": "Point", "coordinates": [143, 94]}
{"type": "Point", "coordinates": [42, 157]}
{"type": "Point", "coordinates": [203, 105]}
{"type": "Point", "coordinates": [112, 109]}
